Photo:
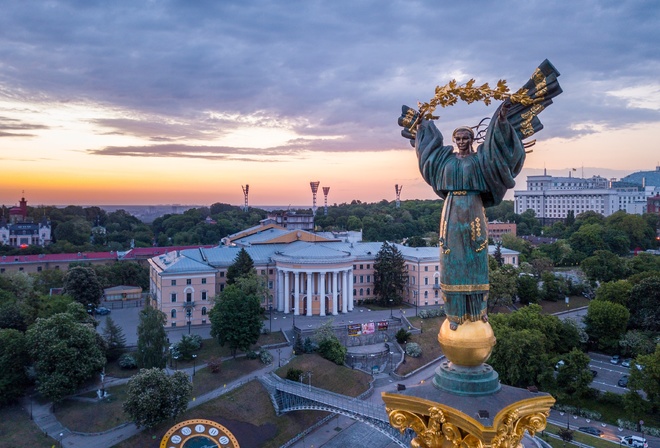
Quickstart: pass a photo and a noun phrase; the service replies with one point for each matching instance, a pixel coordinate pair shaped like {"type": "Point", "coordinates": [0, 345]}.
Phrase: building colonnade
{"type": "Point", "coordinates": [318, 291]}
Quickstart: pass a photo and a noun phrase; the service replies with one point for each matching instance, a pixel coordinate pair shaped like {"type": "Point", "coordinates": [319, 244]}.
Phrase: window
{"type": "Point", "coordinates": [222, 287]}
{"type": "Point", "coordinates": [368, 266]}
{"type": "Point", "coordinates": [355, 279]}
{"type": "Point", "coordinates": [173, 297]}
{"type": "Point", "coordinates": [368, 278]}
{"type": "Point", "coordinates": [189, 297]}
{"type": "Point", "coordinates": [270, 272]}
{"type": "Point", "coordinates": [203, 295]}
{"type": "Point", "coordinates": [2, 270]}
{"type": "Point", "coordinates": [173, 283]}
{"type": "Point", "coordinates": [426, 268]}
{"type": "Point", "coordinates": [436, 295]}
{"type": "Point", "coordinates": [38, 268]}
{"type": "Point", "coordinates": [222, 273]}
{"type": "Point", "coordinates": [173, 314]}
{"type": "Point", "coordinates": [203, 281]}
{"type": "Point", "coordinates": [426, 280]}
{"type": "Point", "coordinates": [361, 266]}
{"type": "Point", "coordinates": [426, 294]}
{"type": "Point", "coordinates": [361, 291]}
{"type": "Point", "coordinates": [354, 267]}
{"type": "Point", "coordinates": [355, 292]}
{"type": "Point", "coordinates": [174, 324]}
{"type": "Point", "coordinates": [20, 269]}
{"type": "Point", "coordinates": [368, 291]}
{"type": "Point", "coordinates": [188, 281]}
{"type": "Point", "coordinates": [263, 272]}
{"type": "Point", "coordinates": [270, 284]}
{"type": "Point", "coordinates": [362, 279]}
{"type": "Point", "coordinates": [203, 311]}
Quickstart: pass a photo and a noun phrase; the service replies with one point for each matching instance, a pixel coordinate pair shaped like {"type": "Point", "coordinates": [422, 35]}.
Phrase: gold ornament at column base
{"type": "Point", "coordinates": [438, 425]}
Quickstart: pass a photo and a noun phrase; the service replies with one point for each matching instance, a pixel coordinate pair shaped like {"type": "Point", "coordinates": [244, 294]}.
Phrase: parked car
{"type": "Point", "coordinates": [625, 363]}
{"type": "Point", "coordinates": [623, 381]}
{"type": "Point", "coordinates": [591, 430]}
{"type": "Point", "coordinates": [102, 311]}
{"type": "Point", "coordinates": [634, 441]}
{"type": "Point", "coordinates": [615, 359]}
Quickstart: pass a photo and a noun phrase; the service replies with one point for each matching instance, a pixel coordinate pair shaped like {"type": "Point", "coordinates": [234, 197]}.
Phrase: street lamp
{"type": "Point", "coordinates": [176, 362]}
{"type": "Point", "coordinates": [391, 305]}
{"type": "Point", "coordinates": [61, 437]}
{"type": "Point", "coordinates": [194, 357]}
{"type": "Point", "coordinates": [270, 308]}
{"type": "Point", "coordinates": [171, 348]}
{"type": "Point", "coordinates": [279, 357]}
{"type": "Point", "coordinates": [189, 315]}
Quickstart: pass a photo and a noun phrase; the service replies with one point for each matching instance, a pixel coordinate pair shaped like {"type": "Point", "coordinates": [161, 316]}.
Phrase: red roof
{"type": "Point", "coordinates": [44, 258]}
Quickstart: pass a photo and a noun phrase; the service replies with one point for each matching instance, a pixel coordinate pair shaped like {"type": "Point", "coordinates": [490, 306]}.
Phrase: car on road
{"type": "Point", "coordinates": [623, 381]}
{"type": "Point", "coordinates": [625, 362]}
{"type": "Point", "coordinates": [634, 441]}
{"type": "Point", "coordinates": [591, 430]}
{"type": "Point", "coordinates": [102, 311]}
{"type": "Point", "coordinates": [616, 359]}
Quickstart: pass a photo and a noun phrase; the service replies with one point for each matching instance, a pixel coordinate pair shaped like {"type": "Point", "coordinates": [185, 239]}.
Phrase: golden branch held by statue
{"type": "Point", "coordinates": [450, 93]}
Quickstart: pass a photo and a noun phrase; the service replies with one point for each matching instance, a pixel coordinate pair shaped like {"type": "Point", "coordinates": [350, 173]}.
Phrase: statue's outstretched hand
{"type": "Point", "coordinates": [408, 120]}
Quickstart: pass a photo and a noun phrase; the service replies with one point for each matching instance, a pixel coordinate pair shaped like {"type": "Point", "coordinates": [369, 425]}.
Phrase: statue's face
{"type": "Point", "coordinates": [463, 140]}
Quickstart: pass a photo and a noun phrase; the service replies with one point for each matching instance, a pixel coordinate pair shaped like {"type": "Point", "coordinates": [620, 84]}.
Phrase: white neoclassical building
{"type": "Point", "coordinates": [308, 274]}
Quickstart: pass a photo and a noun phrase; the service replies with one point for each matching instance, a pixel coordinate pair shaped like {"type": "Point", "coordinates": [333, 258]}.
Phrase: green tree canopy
{"type": "Point", "coordinates": [115, 340]}
{"type": "Point", "coordinates": [503, 286]}
{"type": "Point", "coordinates": [604, 266]}
{"type": "Point", "coordinates": [153, 396]}
{"type": "Point", "coordinates": [605, 323]}
{"type": "Point", "coordinates": [389, 275]}
{"type": "Point", "coordinates": [83, 285]}
{"type": "Point", "coordinates": [14, 360]}
{"type": "Point", "coordinates": [152, 339]}
{"type": "Point", "coordinates": [648, 377]}
{"type": "Point", "coordinates": [645, 304]}
{"type": "Point", "coordinates": [236, 319]}
{"type": "Point", "coordinates": [615, 291]}
{"type": "Point", "coordinates": [242, 265]}
{"type": "Point", "coordinates": [65, 354]}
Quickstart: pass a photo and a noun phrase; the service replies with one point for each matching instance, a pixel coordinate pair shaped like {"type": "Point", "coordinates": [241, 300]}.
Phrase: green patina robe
{"type": "Point", "coordinates": [468, 185]}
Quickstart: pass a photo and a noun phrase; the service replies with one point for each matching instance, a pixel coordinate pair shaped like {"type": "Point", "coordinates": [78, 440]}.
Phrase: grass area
{"type": "Point", "coordinates": [248, 412]}
{"type": "Point", "coordinates": [16, 429]}
{"type": "Point", "coordinates": [556, 307]}
{"type": "Point", "coordinates": [428, 341]}
{"type": "Point", "coordinates": [94, 415]}
{"type": "Point", "coordinates": [577, 437]}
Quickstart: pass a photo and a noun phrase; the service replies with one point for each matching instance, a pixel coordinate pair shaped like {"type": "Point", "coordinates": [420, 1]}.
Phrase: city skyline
{"type": "Point", "coordinates": [183, 103]}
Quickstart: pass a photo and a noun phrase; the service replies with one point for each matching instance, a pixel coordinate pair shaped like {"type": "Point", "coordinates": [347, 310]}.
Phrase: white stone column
{"type": "Point", "coordinates": [287, 293]}
{"type": "Point", "coordinates": [334, 293]}
{"type": "Point", "coordinates": [322, 293]}
{"type": "Point", "coordinates": [310, 291]}
{"type": "Point", "coordinates": [344, 292]}
{"type": "Point", "coordinates": [350, 290]}
{"type": "Point", "coordinates": [280, 290]}
{"type": "Point", "coordinates": [296, 294]}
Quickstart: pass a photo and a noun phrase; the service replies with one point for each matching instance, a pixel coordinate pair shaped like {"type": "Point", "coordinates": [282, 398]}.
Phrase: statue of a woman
{"type": "Point", "coordinates": [469, 180]}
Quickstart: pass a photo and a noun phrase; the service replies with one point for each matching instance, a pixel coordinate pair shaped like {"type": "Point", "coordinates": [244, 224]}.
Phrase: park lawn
{"type": "Point", "coordinates": [559, 306]}
{"type": "Point", "coordinates": [247, 411]}
{"type": "Point", "coordinates": [577, 437]}
{"type": "Point", "coordinates": [93, 416]}
{"type": "Point", "coordinates": [16, 429]}
{"type": "Point", "coordinates": [428, 341]}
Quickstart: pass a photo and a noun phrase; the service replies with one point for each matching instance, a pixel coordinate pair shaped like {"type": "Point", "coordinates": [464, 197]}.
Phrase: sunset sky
{"type": "Point", "coordinates": [160, 102]}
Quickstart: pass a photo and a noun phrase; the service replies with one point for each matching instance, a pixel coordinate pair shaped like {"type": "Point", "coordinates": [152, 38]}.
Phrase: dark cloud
{"type": "Point", "coordinates": [337, 69]}
{"type": "Point", "coordinates": [10, 127]}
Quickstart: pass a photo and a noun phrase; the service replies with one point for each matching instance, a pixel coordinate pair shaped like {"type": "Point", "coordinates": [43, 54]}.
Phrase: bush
{"type": "Point", "coordinates": [214, 365]}
{"type": "Point", "coordinates": [413, 349]}
{"type": "Point", "coordinates": [309, 346]}
{"type": "Point", "coordinates": [251, 354]}
{"type": "Point", "coordinates": [333, 350]}
{"type": "Point", "coordinates": [293, 374]}
{"type": "Point", "coordinates": [188, 344]}
{"type": "Point", "coordinates": [402, 336]}
{"type": "Point", "coordinates": [611, 398]}
{"type": "Point", "coordinates": [127, 362]}
{"type": "Point", "coordinates": [427, 314]}
{"type": "Point", "coordinates": [265, 356]}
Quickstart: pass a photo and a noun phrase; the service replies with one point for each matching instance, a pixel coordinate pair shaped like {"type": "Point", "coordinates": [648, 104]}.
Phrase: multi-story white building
{"type": "Point", "coordinates": [552, 198]}
{"type": "Point", "coordinates": [306, 274]}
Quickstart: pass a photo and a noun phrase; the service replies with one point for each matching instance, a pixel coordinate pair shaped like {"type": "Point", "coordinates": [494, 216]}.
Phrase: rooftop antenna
{"type": "Point", "coordinates": [315, 189]}
{"type": "Point", "coordinates": [246, 190]}
{"type": "Point", "coordinates": [398, 189]}
{"type": "Point", "coordinates": [326, 190]}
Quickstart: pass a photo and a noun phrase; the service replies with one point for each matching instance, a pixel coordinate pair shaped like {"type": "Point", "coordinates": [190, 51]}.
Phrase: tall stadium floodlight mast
{"type": "Point", "coordinates": [315, 189]}
{"type": "Point", "coordinates": [398, 189]}
{"type": "Point", "coordinates": [326, 190]}
{"type": "Point", "coordinates": [246, 190]}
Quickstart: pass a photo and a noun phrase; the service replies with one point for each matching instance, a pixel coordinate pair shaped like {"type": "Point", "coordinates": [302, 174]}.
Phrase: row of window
{"type": "Point", "coordinates": [173, 313]}
{"type": "Point", "coordinates": [188, 296]}
{"type": "Point", "coordinates": [189, 281]}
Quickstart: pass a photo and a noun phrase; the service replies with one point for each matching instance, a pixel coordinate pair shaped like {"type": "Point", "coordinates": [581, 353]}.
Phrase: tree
{"type": "Point", "coordinates": [83, 285]}
{"type": "Point", "coordinates": [574, 377]}
{"type": "Point", "coordinates": [114, 339]}
{"type": "Point", "coordinates": [645, 304]}
{"type": "Point", "coordinates": [236, 319]}
{"type": "Point", "coordinates": [65, 354]}
{"type": "Point", "coordinates": [635, 406]}
{"type": "Point", "coordinates": [153, 396]}
{"type": "Point", "coordinates": [14, 360]}
{"type": "Point", "coordinates": [389, 275]}
{"type": "Point", "coordinates": [647, 378]}
{"type": "Point", "coordinates": [242, 265]}
{"type": "Point", "coordinates": [503, 287]}
{"type": "Point", "coordinates": [616, 292]}
{"type": "Point", "coordinates": [498, 253]}
{"type": "Point", "coordinates": [528, 289]}
{"type": "Point", "coordinates": [152, 339]}
{"type": "Point", "coordinates": [604, 266]}
{"type": "Point", "coordinates": [605, 323]}
{"type": "Point", "coordinates": [76, 231]}
{"type": "Point", "coordinates": [516, 356]}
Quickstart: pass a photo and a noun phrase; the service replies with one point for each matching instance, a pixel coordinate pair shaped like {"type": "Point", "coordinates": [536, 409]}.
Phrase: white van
{"type": "Point", "coordinates": [634, 441]}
